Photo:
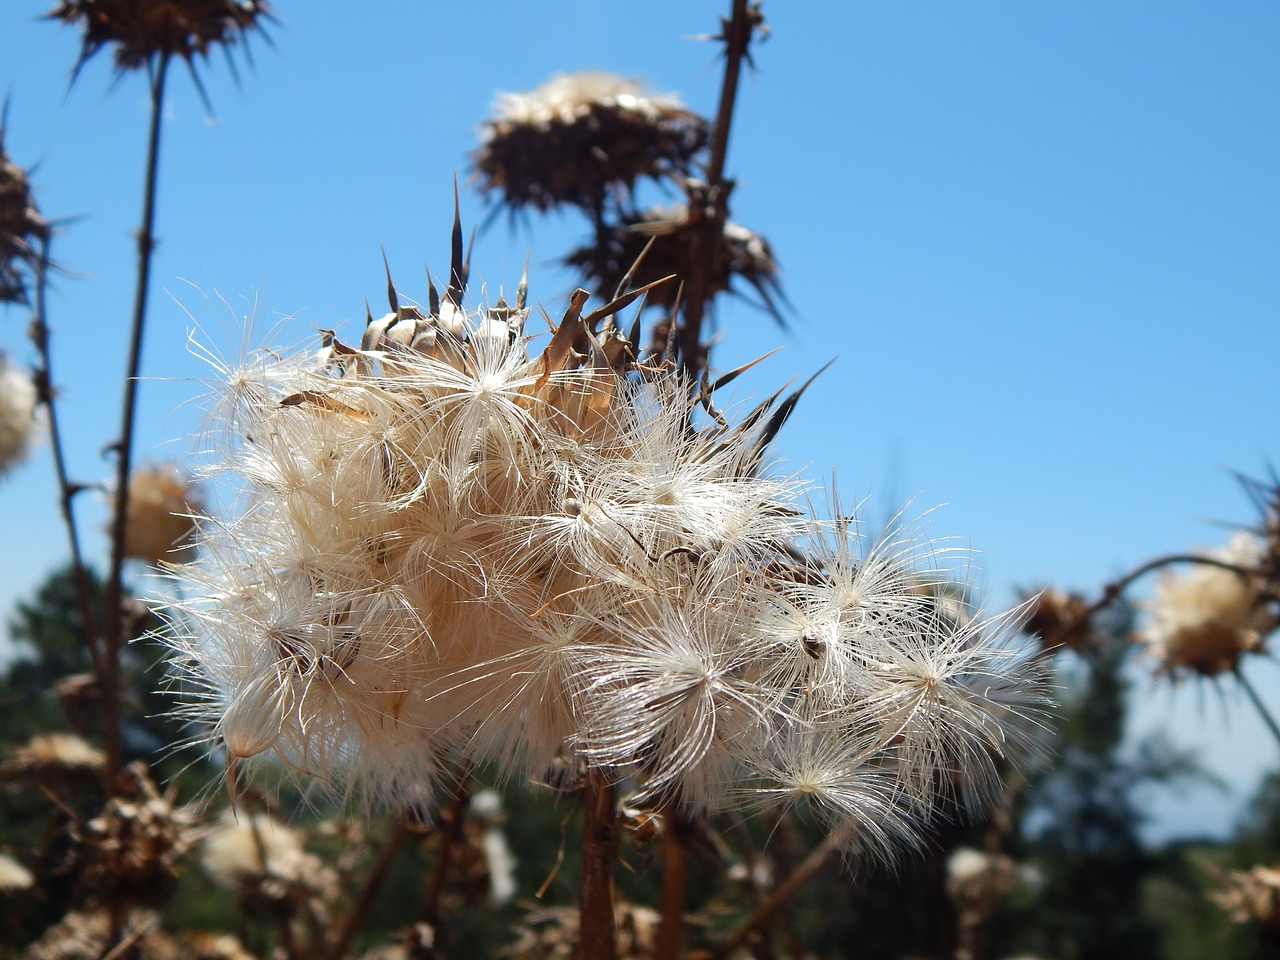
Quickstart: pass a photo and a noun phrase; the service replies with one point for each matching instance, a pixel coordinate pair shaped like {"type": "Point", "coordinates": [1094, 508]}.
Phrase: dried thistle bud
{"type": "Point", "coordinates": [146, 30]}
{"type": "Point", "coordinates": [1203, 619]}
{"type": "Point", "coordinates": [743, 254]}
{"type": "Point", "coordinates": [580, 137]}
{"type": "Point", "coordinates": [18, 420]}
{"type": "Point", "coordinates": [1059, 620]}
{"type": "Point", "coordinates": [159, 524]}
{"type": "Point", "coordinates": [22, 233]}
{"type": "Point", "coordinates": [1251, 896]}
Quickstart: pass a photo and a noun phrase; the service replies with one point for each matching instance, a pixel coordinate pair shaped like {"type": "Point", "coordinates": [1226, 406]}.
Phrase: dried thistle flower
{"type": "Point", "coordinates": [14, 877]}
{"type": "Point", "coordinates": [158, 523]}
{"type": "Point", "coordinates": [1057, 619]}
{"type": "Point", "coordinates": [144, 31]}
{"type": "Point", "coordinates": [1203, 619]}
{"type": "Point", "coordinates": [551, 933]}
{"type": "Point", "coordinates": [621, 252]}
{"type": "Point", "coordinates": [1251, 896]}
{"type": "Point", "coordinates": [214, 946]}
{"type": "Point", "coordinates": [447, 548]}
{"type": "Point", "coordinates": [52, 760]}
{"type": "Point", "coordinates": [237, 849]}
{"type": "Point", "coordinates": [580, 137]}
{"type": "Point", "coordinates": [92, 933]}
{"type": "Point", "coordinates": [132, 847]}
{"type": "Point", "coordinates": [18, 414]}
{"type": "Point", "coordinates": [22, 232]}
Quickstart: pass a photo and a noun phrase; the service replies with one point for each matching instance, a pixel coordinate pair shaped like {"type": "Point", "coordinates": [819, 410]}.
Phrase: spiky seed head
{"type": "Point", "coordinates": [626, 250]}
{"type": "Point", "coordinates": [580, 137]}
{"type": "Point", "coordinates": [142, 31]}
{"type": "Point", "coordinates": [1203, 619]}
{"type": "Point", "coordinates": [22, 229]}
{"type": "Point", "coordinates": [1058, 620]}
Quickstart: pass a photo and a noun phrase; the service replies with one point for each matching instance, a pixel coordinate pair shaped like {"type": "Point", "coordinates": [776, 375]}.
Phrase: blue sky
{"type": "Point", "coordinates": [1042, 241]}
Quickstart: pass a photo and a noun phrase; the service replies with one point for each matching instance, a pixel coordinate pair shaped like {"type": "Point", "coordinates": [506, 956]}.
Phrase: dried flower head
{"type": "Point", "coordinates": [18, 409]}
{"type": "Point", "coordinates": [1203, 619]}
{"type": "Point", "coordinates": [446, 547]}
{"type": "Point", "coordinates": [53, 760]}
{"type": "Point", "coordinates": [158, 522]}
{"type": "Point", "coordinates": [22, 232]}
{"type": "Point", "coordinates": [1058, 619]}
{"type": "Point", "coordinates": [91, 934]}
{"type": "Point", "coordinates": [1251, 896]}
{"type": "Point", "coordinates": [132, 847]}
{"type": "Point", "coordinates": [144, 31]}
{"type": "Point", "coordinates": [625, 252]}
{"type": "Point", "coordinates": [14, 877]}
{"type": "Point", "coordinates": [580, 137]}
{"type": "Point", "coordinates": [552, 933]}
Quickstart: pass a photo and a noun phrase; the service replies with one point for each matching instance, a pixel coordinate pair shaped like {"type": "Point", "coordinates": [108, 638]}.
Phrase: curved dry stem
{"type": "Point", "coordinates": [784, 891]}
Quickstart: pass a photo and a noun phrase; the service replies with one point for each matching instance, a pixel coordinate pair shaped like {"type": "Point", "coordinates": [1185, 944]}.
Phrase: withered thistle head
{"type": "Point", "coordinates": [625, 251]}
{"type": "Point", "coordinates": [1251, 896]}
{"type": "Point", "coordinates": [22, 229]}
{"type": "Point", "coordinates": [580, 137]}
{"type": "Point", "coordinates": [1058, 619]}
{"type": "Point", "coordinates": [145, 30]}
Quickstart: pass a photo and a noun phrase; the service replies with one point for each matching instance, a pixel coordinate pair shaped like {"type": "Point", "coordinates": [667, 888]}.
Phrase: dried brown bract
{"type": "Point", "coordinates": [674, 231]}
{"type": "Point", "coordinates": [22, 229]}
{"type": "Point", "coordinates": [580, 137]}
{"type": "Point", "coordinates": [146, 30]}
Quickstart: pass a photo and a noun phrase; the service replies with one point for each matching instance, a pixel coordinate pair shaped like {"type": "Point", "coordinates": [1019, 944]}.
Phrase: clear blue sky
{"type": "Point", "coordinates": [1042, 239]}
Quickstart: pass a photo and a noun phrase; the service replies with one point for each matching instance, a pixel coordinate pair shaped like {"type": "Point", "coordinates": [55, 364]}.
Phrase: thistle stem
{"type": "Point", "coordinates": [39, 332]}
{"type": "Point", "coordinates": [113, 638]}
{"type": "Point", "coordinates": [360, 909]}
{"type": "Point", "coordinates": [1112, 590]}
{"type": "Point", "coordinates": [599, 851]}
{"type": "Point", "coordinates": [1256, 700]}
{"type": "Point", "coordinates": [674, 874]}
{"type": "Point", "coordinates": [709, 202]}
{"type": "Point", "coordinates": [450, 831]}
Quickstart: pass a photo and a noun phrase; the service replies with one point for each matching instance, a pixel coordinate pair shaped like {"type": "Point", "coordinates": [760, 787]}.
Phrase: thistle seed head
{"type": "Point", "coordinates": [579, 138]}
{"type": "Point", "coordinates": [446, 547]}
{"type": "Point", "coordinates": [143, 31]}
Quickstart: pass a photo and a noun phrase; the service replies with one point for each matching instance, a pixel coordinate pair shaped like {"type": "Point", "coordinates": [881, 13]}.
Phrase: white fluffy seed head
{"type": "Point", "coordinates": [440, 548]}
{"type": "Point", "coordinates": [17, 414]}
{"type": "Point", "coordinates": [1202, 619]}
